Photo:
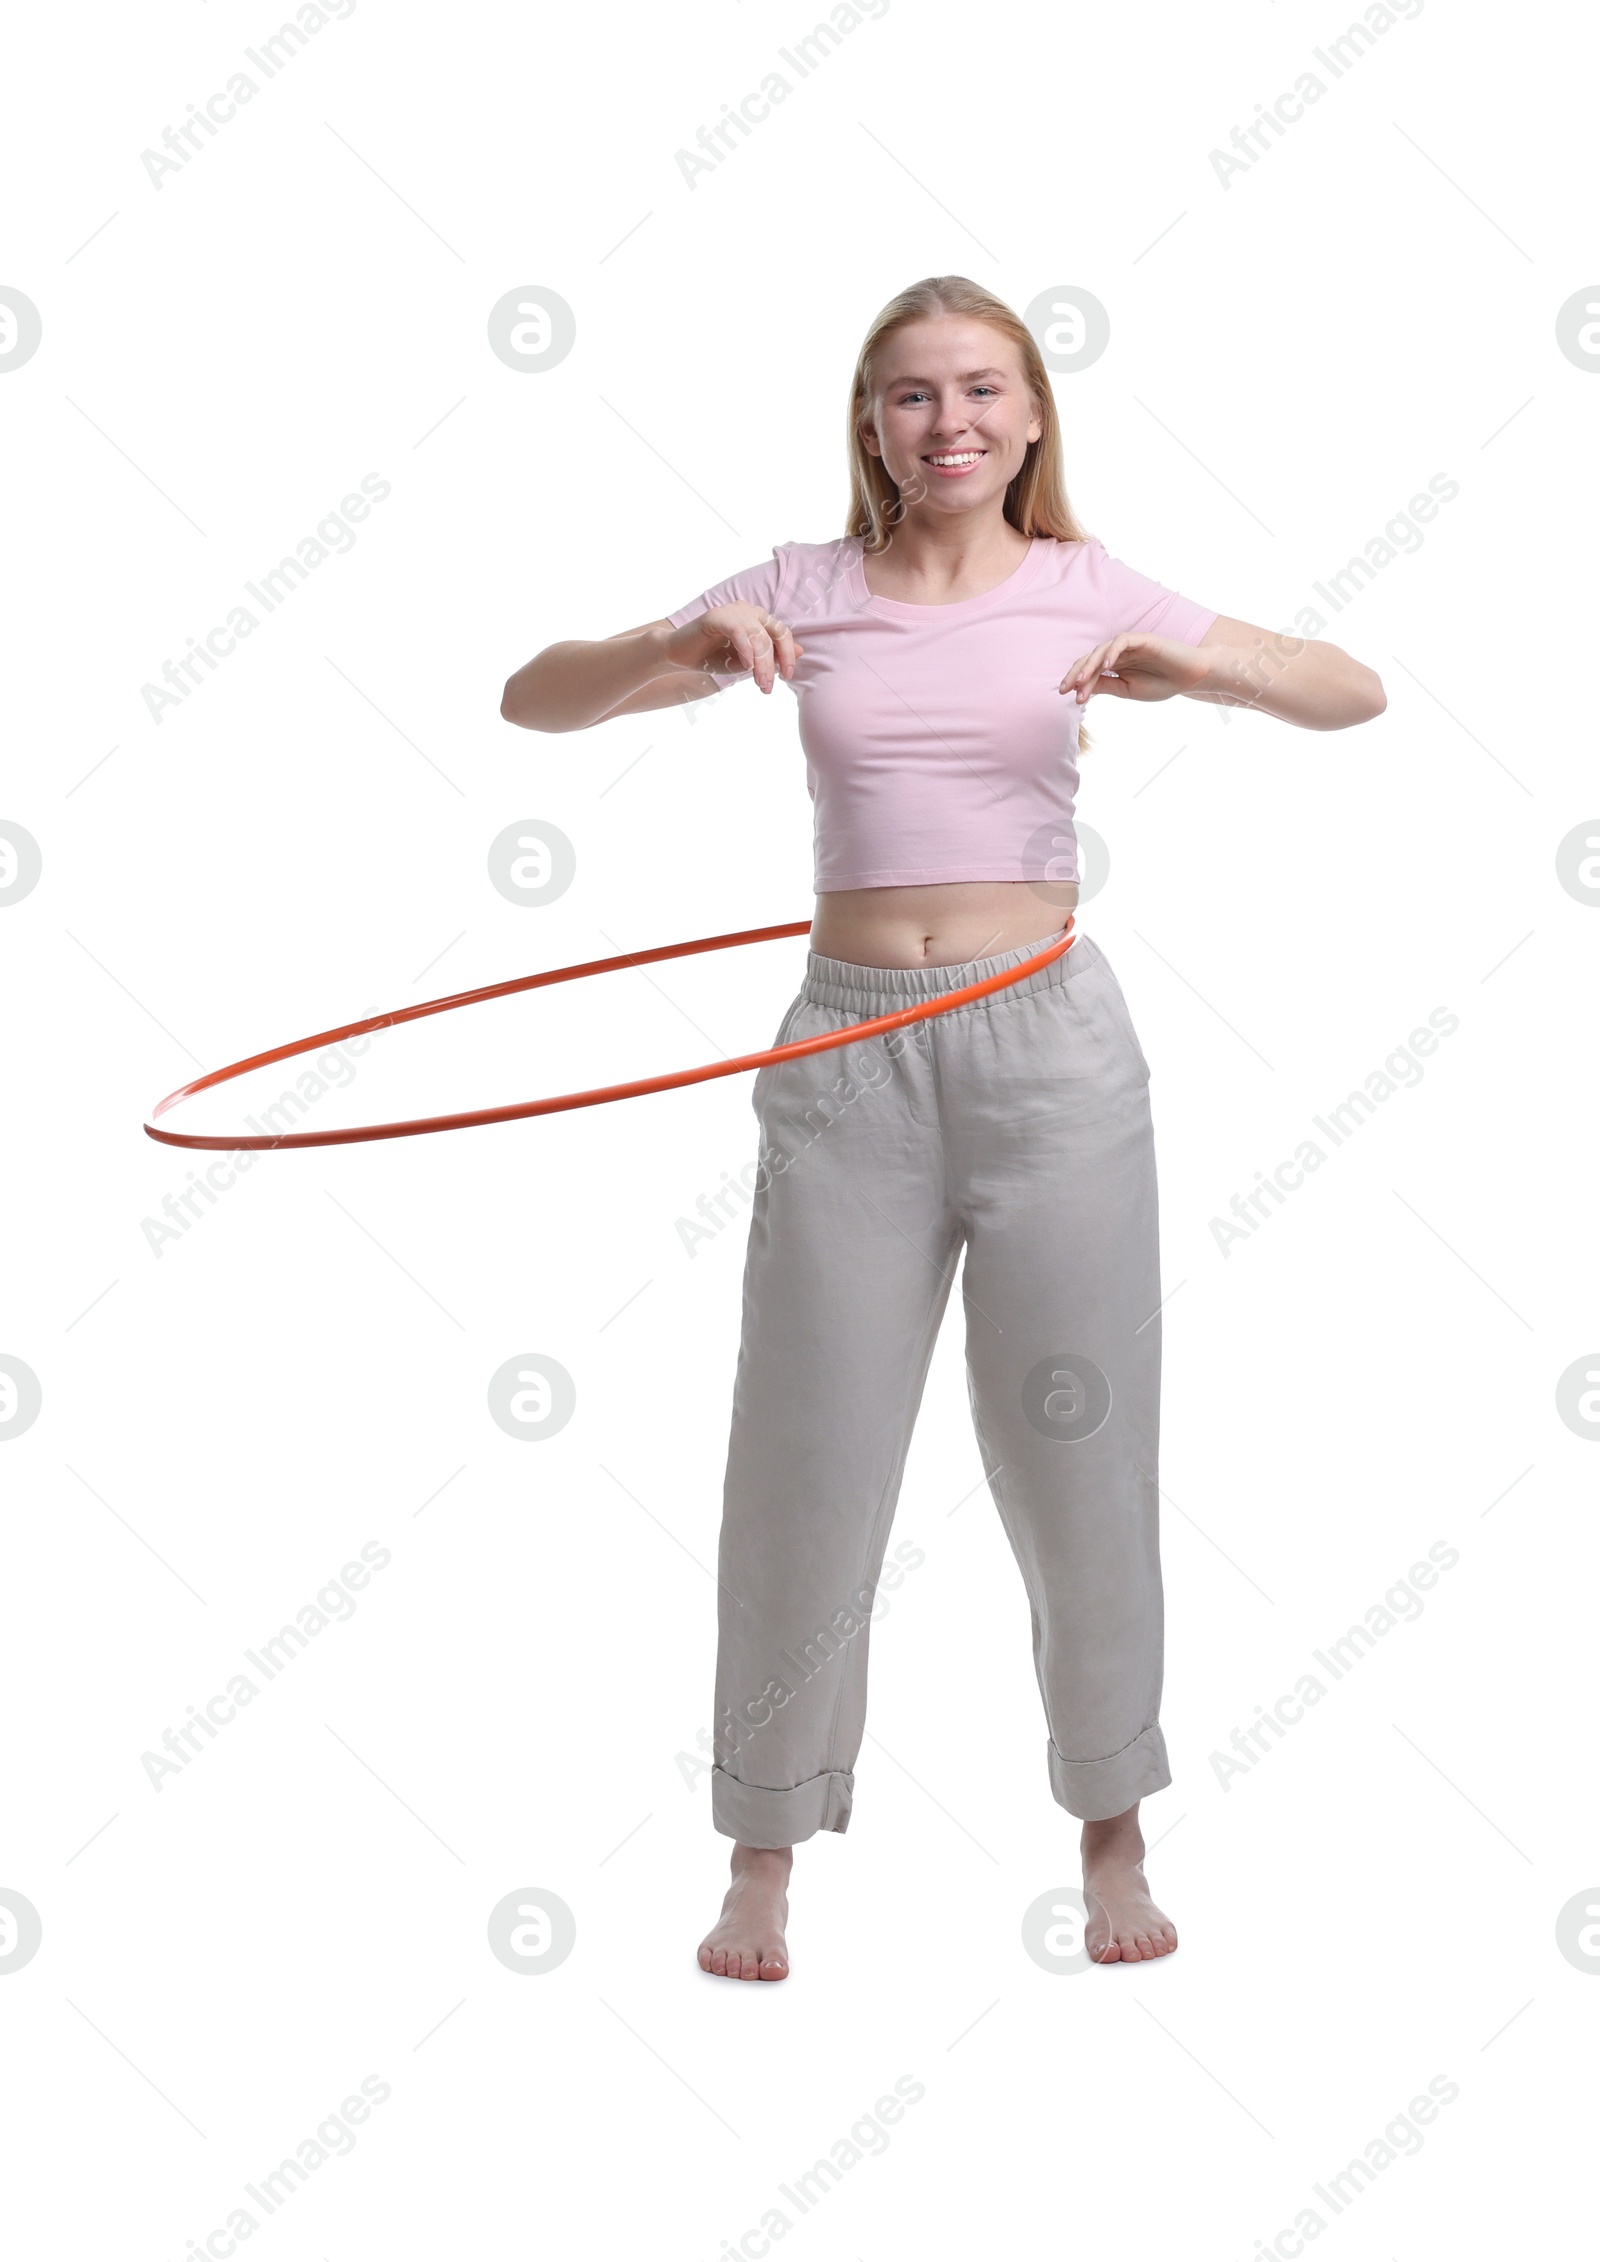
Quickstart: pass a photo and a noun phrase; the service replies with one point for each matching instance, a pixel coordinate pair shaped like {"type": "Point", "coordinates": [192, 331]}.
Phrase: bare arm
{"type": "Point", "coordinates": [569, 686]}
{"type": "Point", "coordinates": [1298, 679]}
{"type": "Point", "coordinates": [1236, 664]}
{"type": "Point", "coordinates": [573, 685]}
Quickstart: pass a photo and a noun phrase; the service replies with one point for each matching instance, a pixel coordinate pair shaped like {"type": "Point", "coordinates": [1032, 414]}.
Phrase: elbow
{"type": "Point", "coordinates": [1361, 700]}
{"type": "Point", "coordinates": [515, 708]}
{"type": "Point", "coordinates": [522, 703]}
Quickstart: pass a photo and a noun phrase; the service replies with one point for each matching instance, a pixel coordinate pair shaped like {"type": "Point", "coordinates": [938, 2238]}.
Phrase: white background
{"type": "Point", "coordinates": [1374, 1903]}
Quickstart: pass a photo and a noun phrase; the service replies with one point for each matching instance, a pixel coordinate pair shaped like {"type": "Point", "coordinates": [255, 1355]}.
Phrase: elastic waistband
{"type": "Point", "coordinates": [870, 990]}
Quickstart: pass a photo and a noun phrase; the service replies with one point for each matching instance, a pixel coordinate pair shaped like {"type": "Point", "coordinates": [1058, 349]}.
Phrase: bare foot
{"type": "Point", "coordinates": [747, 1942]}
{"type": "Point", "coordinates": [1125, 1926]}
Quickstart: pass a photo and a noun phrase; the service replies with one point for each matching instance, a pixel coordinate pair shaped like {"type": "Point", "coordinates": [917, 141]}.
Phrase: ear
{"type": "Point", "coordinates": [870, 440]}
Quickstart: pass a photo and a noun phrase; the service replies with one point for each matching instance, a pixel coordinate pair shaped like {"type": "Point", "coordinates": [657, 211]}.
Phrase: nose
{"type": "Point", "coordinates": [956, 422]}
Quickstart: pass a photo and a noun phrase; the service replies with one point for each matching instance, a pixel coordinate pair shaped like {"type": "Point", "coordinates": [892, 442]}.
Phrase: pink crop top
{"type": "Point", "coordinates": [937, 744]}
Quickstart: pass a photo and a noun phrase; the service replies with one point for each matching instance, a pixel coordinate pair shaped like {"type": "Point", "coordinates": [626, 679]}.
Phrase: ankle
{"type": "Point", "coordinates": [1118, 1841]}
{"type": "Point", "coordinates": [762, 1861]}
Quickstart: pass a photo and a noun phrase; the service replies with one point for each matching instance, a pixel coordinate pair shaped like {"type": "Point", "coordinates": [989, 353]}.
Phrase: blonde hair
{"type": "Point", "coordinates": [1036, 500]}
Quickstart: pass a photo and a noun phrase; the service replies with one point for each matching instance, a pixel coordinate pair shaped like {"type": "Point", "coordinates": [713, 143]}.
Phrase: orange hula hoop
{"type": "Point", "coordinates": [829, 1042]}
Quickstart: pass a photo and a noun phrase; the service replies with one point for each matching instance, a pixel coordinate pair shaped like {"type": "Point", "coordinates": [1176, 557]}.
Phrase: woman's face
{"type": "Point", "coordinates": [950, 387]}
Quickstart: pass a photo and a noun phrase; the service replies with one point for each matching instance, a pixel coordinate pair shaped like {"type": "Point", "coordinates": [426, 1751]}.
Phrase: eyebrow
{"type": "Point", "coordinates": [965, 378]}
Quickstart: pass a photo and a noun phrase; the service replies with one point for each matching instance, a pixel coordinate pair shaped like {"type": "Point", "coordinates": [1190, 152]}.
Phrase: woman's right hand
{"type": "Point", "coordinates": [735, 640]}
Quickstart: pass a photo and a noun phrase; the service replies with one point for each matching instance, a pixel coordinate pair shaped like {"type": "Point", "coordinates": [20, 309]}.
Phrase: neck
{"type": "Point", "coordinates": [942, 548]}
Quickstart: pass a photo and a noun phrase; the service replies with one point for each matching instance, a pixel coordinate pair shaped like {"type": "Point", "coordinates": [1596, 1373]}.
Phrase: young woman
{"type": "Point", "coordinates": [942, 653]}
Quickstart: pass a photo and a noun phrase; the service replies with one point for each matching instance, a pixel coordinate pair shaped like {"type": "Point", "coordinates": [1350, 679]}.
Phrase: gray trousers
{"type": "Point", "coordinates": [1019, 1129]}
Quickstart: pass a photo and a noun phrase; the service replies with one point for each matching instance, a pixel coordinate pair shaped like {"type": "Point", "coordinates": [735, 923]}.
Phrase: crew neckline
{"type": "Point", "coordinates": [1026, 569]}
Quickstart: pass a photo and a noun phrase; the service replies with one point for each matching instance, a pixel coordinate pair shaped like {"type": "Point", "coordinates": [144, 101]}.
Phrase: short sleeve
{"type": "Point", "coordinates": [760, 585]}
{"type": "Point", "coordinates": [1133, 601]}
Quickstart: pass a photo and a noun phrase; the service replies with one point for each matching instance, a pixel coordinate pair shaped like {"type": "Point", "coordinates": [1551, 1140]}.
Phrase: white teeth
{"type": "Point", "coordinates": [974, 455]}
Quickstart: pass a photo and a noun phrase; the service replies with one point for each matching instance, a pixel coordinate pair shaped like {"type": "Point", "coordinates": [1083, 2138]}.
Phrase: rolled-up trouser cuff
{"type": "Point", "coordinates": [1096, 1789]}
{"type": "Point", "coordinates": [758, 1816]}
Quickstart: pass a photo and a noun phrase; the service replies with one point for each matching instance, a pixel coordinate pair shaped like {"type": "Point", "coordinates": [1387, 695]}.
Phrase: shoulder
{"type": "Point", "coordinates": [1089, 568]}
{"type": "Point", "coordinates": [810, 557]}
{"type": "Point", "coordinates": [810, 571]}
{"type": "Point", "coordinates": [1065, 560]}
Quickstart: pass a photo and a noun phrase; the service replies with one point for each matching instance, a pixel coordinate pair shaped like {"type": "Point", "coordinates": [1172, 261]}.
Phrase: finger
{"type": "Point", "coordinates": [754, 650]}
{"type": "Point", "coordinates": [1102, 681]}
{"type": "Point", "coordinates": [788, 651]}
{"type": "Point", "coordinates": [1106, 676]}
{"type": "Point", "coordinates": [743, 642]}
{"type": "Point", "coordinates": [761, 661]}
{"type": "Point", "coordinates": [769, 657]}
{"type": "Point", "coordinates": [1086, 671]}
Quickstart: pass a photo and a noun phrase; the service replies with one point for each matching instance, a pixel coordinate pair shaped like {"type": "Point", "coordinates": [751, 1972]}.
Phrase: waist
{"type": "Point", "coordinates": [952, 924]}
{"type": "Point", "coordinates": [863, 992]}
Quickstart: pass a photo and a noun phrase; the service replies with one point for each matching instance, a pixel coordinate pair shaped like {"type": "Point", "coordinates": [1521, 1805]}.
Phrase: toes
{"type": "Point", "coordinates": [1127, 1941]}
{"type": "Point", "coordinates": [743, 1963]}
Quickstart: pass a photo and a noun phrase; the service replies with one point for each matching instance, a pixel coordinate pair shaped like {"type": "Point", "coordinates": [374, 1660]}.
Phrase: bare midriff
{"type": "Point", "coordinates": [946, 925]}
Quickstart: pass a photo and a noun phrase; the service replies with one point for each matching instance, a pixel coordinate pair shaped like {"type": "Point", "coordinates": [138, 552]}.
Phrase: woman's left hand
{"type": "Point", "coordinates": [1132, 666]}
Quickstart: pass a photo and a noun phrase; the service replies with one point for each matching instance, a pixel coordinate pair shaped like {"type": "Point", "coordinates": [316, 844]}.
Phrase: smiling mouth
{"type": "Point", "coordinates": [957, 460]}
